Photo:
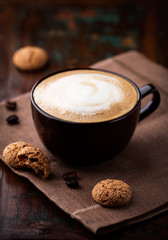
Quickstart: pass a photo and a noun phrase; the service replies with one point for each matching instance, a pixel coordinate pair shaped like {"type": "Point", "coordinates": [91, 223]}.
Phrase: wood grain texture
{"type": "Point", "coordinates": [74, 35]}
{"type": "Point", "coordinates": [77, 36]}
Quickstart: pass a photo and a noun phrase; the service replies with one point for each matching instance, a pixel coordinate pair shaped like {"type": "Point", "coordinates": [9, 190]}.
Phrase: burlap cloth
{"type": "Point", "coordinates": [143, 164]}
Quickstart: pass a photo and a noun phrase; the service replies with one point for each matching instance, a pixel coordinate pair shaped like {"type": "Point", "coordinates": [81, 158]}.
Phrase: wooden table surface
{"type": "Point", "coordinates": [74, 35]}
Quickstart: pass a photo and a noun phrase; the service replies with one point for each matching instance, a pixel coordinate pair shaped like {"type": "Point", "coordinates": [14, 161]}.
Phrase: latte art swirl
{"type": "Point", "coordinates": [83, 95]}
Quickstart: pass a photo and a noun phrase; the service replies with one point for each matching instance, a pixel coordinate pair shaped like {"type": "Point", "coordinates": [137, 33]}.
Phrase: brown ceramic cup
{"type": "Point", "coordinates": [88, 143]}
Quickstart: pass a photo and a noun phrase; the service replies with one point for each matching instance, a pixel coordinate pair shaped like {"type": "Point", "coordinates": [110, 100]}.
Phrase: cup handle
{"type": "Point", "coordinates": [152, 104]}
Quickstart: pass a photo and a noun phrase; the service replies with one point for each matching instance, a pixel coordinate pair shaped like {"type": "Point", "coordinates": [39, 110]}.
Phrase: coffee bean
{"type": "Point", "coordinates": [10, 105]}
{"type": "Point", "coordinates": [72, 183]}
{"type": "Point", "coordinates": [12, 119]}
{"type": "Point", "coordinates": [69, 176]}
{"type": "Point", "coordinates": [71, 179]}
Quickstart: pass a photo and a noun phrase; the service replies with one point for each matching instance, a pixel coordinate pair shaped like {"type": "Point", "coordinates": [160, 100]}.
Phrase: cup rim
{"type": "Point", "coordinates": [85, 123]}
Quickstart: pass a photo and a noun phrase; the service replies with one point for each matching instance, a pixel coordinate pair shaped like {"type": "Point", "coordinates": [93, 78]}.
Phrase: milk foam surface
{"type": "Point", "coordinates": [81, 95]}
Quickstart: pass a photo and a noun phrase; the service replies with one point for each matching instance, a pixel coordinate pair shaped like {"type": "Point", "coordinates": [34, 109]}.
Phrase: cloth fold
{"type": "Point", "coordinates": [143, 164]}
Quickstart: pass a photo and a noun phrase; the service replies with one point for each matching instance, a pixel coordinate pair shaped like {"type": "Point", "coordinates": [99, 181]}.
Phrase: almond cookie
{"type": "Point", "coordinates": [112, 193]}
{"type": "Point", "coordinates": [22, 155]}
{"type": "Point", "coordinates": [10, 153]}
{"type": "Point", "coordinates": [32, 157]}
{"type": "Point", "coordinates": [30, 58]}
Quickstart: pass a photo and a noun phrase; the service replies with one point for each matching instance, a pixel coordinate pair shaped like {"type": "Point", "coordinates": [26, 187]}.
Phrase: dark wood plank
{"type": "Point", "coordinates": [77, 36]}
